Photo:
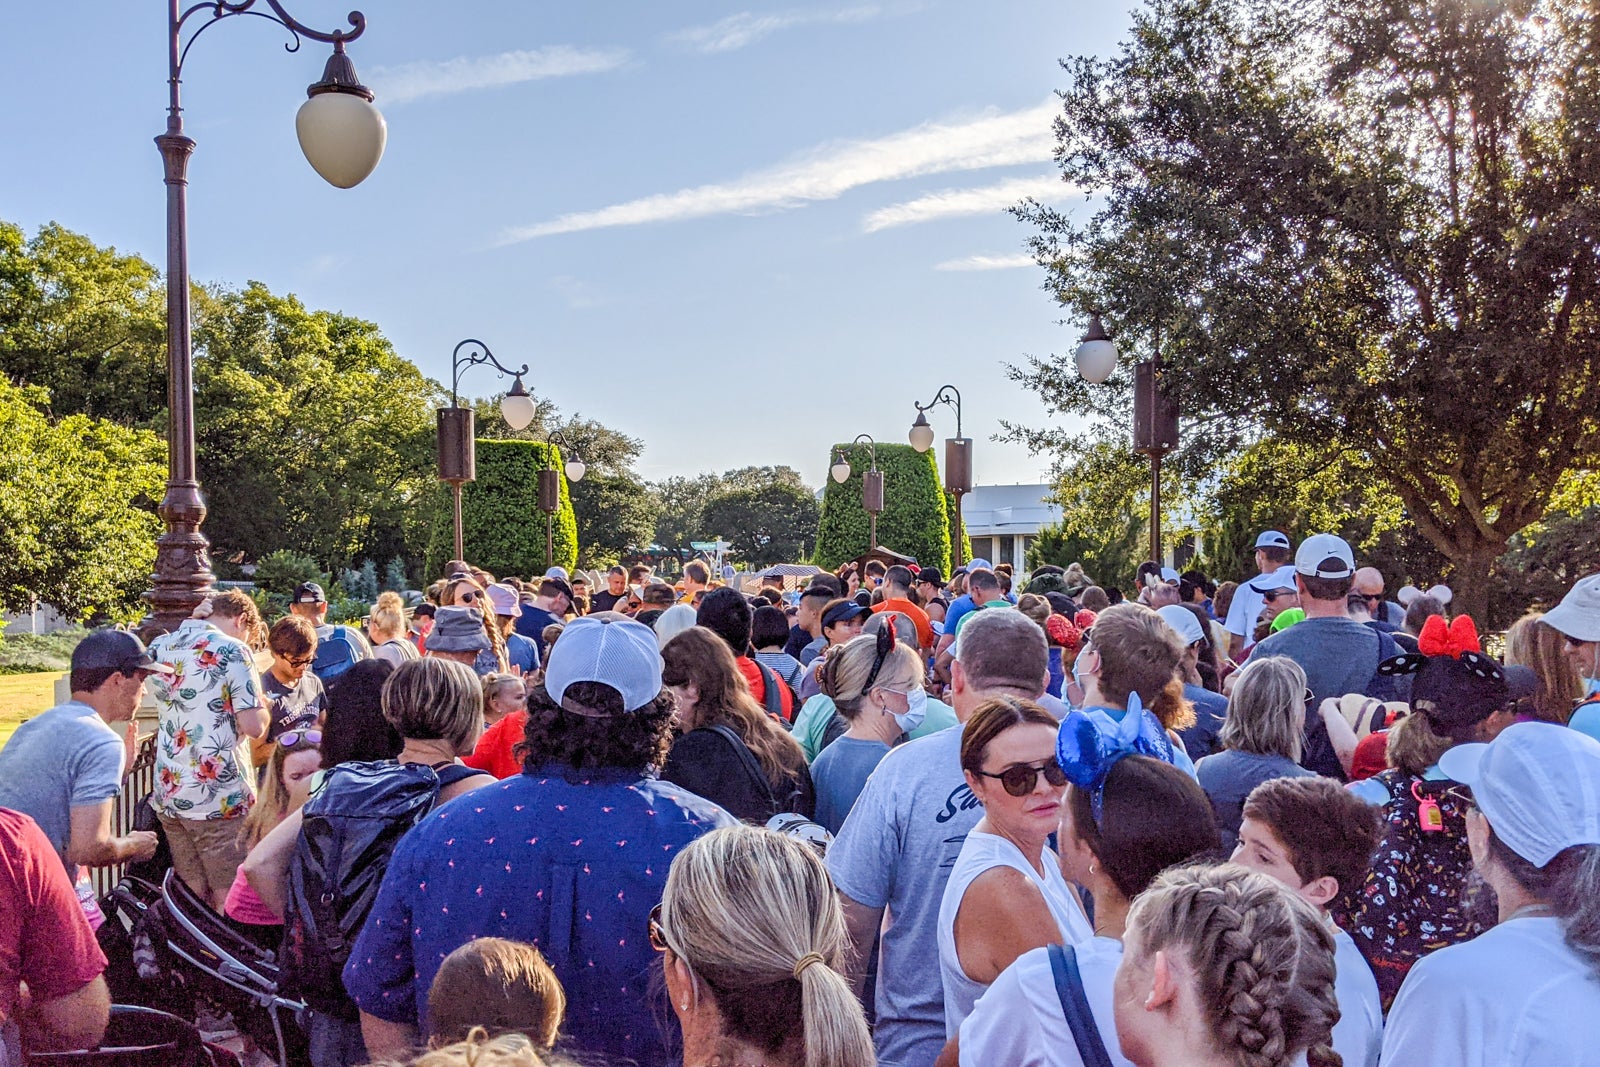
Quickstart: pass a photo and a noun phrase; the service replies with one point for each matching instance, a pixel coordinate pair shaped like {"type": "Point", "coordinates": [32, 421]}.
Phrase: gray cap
{"type": "Point", "coordinates": [115, 650]}
{"type": "Point", "coordinates": [1578, 614]}
{"type": "Point", "coordinates": [458, 629]}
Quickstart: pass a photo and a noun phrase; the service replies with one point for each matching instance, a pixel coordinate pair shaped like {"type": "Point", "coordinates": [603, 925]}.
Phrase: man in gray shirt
{"type": "Point", "coordinates": [64, 767]}
{"type": "Point", "coordinates": [1338, 654]}
{"type": "Point", "coordinates": [895, 851]}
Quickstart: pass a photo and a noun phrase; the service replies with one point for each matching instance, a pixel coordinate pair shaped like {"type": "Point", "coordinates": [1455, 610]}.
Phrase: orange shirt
{"type": "Point", "coordinates": [915, 614]}
{"type": "Point", "coordinates": [494, 753]}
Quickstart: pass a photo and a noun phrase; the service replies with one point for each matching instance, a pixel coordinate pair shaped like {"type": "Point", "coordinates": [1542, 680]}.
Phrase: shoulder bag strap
{"type": "Point", "coordinates": [748, 759]}
{"type": "Point", "coordinates": [1075, 1006]}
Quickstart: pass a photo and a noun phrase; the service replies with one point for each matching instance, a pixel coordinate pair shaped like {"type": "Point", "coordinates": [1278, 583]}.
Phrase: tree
{"type": "Point", "coordinates": [502, 525]}
{"type": "Point", "coordinates": [775, 523]}
{"type": "Point", "coordinates": [914, 521]}
{"type": "Point", "coordinates": [1360, 227]}
{"type": "Point", "coordinates": [1105, 515]}
{"type": "Point", "coordinates": [616, 516]}
{"type": "Point", "coordinates": [77, 518]}
{"type": "Point", "coordinates": [680, 520]}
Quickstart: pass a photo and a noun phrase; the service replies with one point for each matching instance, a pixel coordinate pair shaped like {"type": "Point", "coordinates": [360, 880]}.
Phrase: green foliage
{"type": "Point", "coordinates": [33, 653]}
{"type": "Point", "coordinates": [394, 576]}
{"type": "Point", "coordinates": [683, 501]}
{"type": "Point", "coordinates": [361, 584]}
{"type": "Point", "coordinates": [502, 526]}
{"type": "Point", "coordinates": [279, 572]}
{"type": "Point", "coordinates": [915, 520]}
{"type": "Point", "coordinates": [77, 521]}
{"type": "Point", "coordinates": [616, 516]}
{"type": "Point", "coordinates": [775, 523]}
{"type": "Point", "coordinates": [1338, 219]}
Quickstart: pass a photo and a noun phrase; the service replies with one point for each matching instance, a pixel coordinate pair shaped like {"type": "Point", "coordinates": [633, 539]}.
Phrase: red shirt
{"type": "Point", "coordinates": [494, 754]}
{"type": "Point", "coordinates": [44, 939]}
{"type": "Point", "coordinates": [758, 688]}
{"type": "Point", "coordinates": [912, 612]}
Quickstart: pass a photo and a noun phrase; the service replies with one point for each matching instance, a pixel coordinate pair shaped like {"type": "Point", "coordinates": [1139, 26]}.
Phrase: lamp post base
{"type": "Point", "coordinates": [183, 574]}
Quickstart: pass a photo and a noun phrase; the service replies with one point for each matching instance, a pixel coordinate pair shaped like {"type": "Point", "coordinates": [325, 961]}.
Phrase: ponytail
{"type": "Point", "coordinates": [836, 1033]}
{"type": "Point", "coordinates": [1173, 709]}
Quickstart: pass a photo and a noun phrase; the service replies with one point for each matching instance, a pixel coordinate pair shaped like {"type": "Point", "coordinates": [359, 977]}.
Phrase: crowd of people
{"type": "Point", "coordinates": [885, 817]}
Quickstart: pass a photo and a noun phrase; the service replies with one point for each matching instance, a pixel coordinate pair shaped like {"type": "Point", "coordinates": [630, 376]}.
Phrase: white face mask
{"type": "Point", "coordinates": [916, 711]}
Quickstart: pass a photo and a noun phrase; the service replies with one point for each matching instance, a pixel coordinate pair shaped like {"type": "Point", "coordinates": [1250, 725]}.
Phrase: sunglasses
{"type": "Point", "coordinates": [467, 597]}
{"type": "Point", "coordinates": [1019, 780]}
{"type": "Point", "coordinates": [1278, 594]}
{"type": "Point", "coordinates": [1462, 795]}
{"type": "Point", "coordinates": [291, 738]}
{"type": "Point", "coordinates": [658, 933]}
{"type": "Point", "coordinates": [299, 661]}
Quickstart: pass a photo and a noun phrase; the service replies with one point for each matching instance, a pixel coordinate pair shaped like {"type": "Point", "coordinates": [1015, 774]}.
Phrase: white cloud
{"type": "Point", "coordinates": [1021, 259]}
{"type": "Point", "coordinates": [412, 81]}
{"type": "Point", "coordinates": [747, 27]}
{"type": "Point", "coordinates": [949, 203]}
{"type": "Point", "coordinates": [996, 139]}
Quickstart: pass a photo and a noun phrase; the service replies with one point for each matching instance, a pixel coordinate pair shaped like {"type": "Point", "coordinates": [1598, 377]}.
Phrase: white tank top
{"type": "Point", "coordinates": [980, 853]}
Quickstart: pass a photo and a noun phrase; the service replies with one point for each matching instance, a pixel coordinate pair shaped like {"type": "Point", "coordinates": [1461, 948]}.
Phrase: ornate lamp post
{"type": "Point", "coordinates": [342, 135]}
{"type": "Point", "coordinates": [871, 484]}
{"type": "Point", "coordinates": [550, 490]}
{"type": "Point", "coordinates": [957, 452]}
{"type": "Point", "coordinates": [1155, 414]}
{"type": "Point", "coordinates": [457, 430]}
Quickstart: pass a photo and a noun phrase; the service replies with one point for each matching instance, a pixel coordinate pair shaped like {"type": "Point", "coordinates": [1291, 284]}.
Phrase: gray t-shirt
{"type": "Point", "coordinates": [840, 773]}
{"type": "Point", "coordinates": [1228, 777]}
{"type": "Point", "coordinates": [63, 759]}
{"type": "Point", "coordinates": [895, 851]}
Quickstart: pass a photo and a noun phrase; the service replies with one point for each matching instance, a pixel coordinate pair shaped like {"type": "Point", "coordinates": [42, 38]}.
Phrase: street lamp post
{"type": "Point", "coordinates": [957, 453]}
{"type": "Point", "coordinates": [550, 490]}
{"type": "Point", "coordinates": [871, 484]}
{"type": "Point", "coordinates": [1155, 413]}
{"type": "Point", "coordinates": [457, 431]}
{"type": "Point", "coordinates": [342, 135]}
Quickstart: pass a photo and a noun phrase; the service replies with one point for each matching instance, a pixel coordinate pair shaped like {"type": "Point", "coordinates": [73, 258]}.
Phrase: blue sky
{"type": "Point", "coordinates": [736, 231]}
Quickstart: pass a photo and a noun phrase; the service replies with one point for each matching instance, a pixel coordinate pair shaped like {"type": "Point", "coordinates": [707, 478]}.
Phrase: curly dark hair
{"type": "Point", "coordinates": [617, 740]}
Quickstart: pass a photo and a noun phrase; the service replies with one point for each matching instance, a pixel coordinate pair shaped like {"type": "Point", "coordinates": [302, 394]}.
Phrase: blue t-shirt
{"type": "Point", "coordinates": [840, 773]}
{"type": "Point", "coordinates": [1228, 777]}
{"type": "Point", "coordinates": [531, 624]}
{"type": "Point", "coordinates": [1210, 709]}
{"type": "Point", "coordinates": [522, 652]}
{"type": "Point", "coordinates": [1586, 718]}
{"type": "Point", "coordinates": [572, 867]}
{"type": "Point", "coordinates": [63, 759]}
{"type": "Point", "coordinates": [961, 605]}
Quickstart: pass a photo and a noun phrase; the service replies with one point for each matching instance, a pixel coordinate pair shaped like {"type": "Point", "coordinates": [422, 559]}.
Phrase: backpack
{"type": "Point", "coordinates": [795, 799]}
{"type": "Point", "coordinates": [1075, 1007]}
{"type": "Point", "coordinates": [771, 695]}
{"type": "Point", "coordinates": [336, 653]}
{"type": "Point", "coordinates": [349, 832]}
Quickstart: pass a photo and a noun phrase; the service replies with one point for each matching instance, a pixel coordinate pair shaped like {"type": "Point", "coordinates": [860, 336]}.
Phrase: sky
{"type": "Point", "coordinates": [737, 231]}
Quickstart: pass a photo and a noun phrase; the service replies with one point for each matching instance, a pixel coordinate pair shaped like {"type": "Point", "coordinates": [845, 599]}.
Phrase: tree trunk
{"type": "Point", "coordinates": [1469, 577]}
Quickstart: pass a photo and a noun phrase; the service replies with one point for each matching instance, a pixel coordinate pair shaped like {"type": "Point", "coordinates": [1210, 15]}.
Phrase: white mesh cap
{"type": "Point", "coordinates": [1537, 783]}
{"type": "Point", "coordinates": [612, 650]}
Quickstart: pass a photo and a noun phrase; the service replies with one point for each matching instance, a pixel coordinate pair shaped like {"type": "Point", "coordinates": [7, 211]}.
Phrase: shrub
{"type": "Point", "coordinates": [279, 572]}
{"type": "Point", "coordinates": [502, 527]}
{"type": "Point", "coordinates": [915, 520]}
{"type": "Point", "coordinates": [394, 576]}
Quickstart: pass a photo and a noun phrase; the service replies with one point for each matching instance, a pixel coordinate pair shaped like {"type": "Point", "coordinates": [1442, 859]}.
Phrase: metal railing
{"type": "Point", "coordinates": [136, 785]}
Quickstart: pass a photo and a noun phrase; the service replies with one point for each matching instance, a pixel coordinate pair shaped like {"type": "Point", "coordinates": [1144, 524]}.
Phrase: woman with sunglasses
{"type": "Point", "coordinates": [295, 697]}
{"type": "Point", "coordinates": [290, 770]}
{"type": "Point", "coordinates": [1005, 895]}
{"type": "Point", "coordinates": [463, 590]}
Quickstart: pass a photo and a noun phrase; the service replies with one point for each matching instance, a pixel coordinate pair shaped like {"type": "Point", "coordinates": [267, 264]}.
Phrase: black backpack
{"type": "Point", "coordinates": [350, 829]}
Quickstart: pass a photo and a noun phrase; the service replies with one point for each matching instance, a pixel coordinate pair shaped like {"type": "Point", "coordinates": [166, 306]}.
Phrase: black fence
{"type": "Point", "coordinates": [140, 780]}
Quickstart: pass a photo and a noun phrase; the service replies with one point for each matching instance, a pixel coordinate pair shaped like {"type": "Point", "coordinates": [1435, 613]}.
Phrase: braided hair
{"type": "Point", "coordinates": [1263, 961]}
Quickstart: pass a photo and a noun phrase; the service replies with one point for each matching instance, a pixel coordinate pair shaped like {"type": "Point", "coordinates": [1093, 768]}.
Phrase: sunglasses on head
{"type": "Point", "coordinates": [291, 738]}
{"type": "Point", "coordinates": [658, 933]}
{"type": "Point", "coordinates": [1019, 779]}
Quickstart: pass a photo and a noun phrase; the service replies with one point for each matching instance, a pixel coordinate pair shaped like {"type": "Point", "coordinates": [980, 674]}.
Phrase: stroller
{"type": "Point", "coordinates": [168, 949]}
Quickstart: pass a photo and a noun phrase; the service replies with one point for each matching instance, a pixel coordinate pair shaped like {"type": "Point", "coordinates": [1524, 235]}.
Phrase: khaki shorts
{"type": "Point", "coordinates": [206, 853]}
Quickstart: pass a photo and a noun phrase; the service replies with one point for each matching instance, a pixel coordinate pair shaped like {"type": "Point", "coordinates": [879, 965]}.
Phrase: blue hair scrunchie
{"type": "Point", "coordinates": [1091, 742]}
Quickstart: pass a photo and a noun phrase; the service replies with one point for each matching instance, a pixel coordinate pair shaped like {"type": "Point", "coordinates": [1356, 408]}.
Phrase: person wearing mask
{"type": "Point", "coordinates": [1317, 838]}
{"type": "Point", "coordinates": [1005, 895]}
{"type": "Point", "coordinates": [1577, 619]}
{"type": "Point", "coordinates": [339, 647]}
{"type": "Point", "coordinates": [1261, 739]}
{"type": "Point", "coordinates": [614, 597]}
{"type": "Point", "coordinates": [901, 839]}
{"type": "Point", "coordinates": [1526, 992]}
{"type": "Point", "coordinates": [1272, 552]}
{"type": "Point", "coordinates": [1224, 967]}
{"type": "Point", "coordinates": [1129, 663]}
{"type": "Point", "coordinates": [753, 945]}
{"type": "Point", "coordinates": [587, 829]}
{"type": "Point", "coordinates": [875, 683]}
{"type": "Point", "coordinates": [522, 654]}
{"type": "Point", "coordinates": [1126, 818]}
{"type": "Point", "coordinates": [726, 613]}
{"type": "Point", "coordinates": [207, 705]}
{"type": "Point", "coordinates": [897, 582]}
{"type": "Point", "coordinates": [731, 751]}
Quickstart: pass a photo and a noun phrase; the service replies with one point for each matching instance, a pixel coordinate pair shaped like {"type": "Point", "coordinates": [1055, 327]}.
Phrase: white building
{"type": "Point", "coordinates": [1002, 520]}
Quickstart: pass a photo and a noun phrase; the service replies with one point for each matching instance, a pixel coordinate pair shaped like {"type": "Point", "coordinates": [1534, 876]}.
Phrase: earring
{"type": "Point", "coordinates": [1091, 868]}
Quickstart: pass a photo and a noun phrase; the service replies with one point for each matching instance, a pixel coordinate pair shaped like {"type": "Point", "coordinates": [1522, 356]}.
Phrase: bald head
{"type": "Point", "coordinates": [1368, 582]}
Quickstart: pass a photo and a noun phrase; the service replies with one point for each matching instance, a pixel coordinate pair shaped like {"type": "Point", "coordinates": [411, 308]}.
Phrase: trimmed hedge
{"type": "Point", "coordinates": [915, 519]}
{"type": "Point", "coordinates": [502, 527]}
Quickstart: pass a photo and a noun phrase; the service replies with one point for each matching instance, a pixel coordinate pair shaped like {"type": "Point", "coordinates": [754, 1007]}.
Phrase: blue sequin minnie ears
{"type": "Point", "coordinates": [1091, 742]}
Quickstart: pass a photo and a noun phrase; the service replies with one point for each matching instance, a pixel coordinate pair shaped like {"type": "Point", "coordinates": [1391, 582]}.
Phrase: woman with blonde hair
{"type": "Point", "coordinates": [1541, 648]}
{"type": "Point", "coordinates": [387, 626]}
{"type": "Point", "coordinates": [462, 590]}
{"type": "Point", "coordinates": [1224, 967]}
{"type": "Point", "coordinates": [1261, 739]}
{"type": "Point", "coordinates": [286, 783]}
{"type": "Point", "coordinates": [752, 938]}
{"type": "Point", "coordinates": [731, 751]}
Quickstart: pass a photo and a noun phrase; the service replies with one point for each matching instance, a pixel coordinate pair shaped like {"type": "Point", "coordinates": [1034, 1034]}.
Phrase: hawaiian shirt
{"type": "Point", "coordinates": [203, 770]}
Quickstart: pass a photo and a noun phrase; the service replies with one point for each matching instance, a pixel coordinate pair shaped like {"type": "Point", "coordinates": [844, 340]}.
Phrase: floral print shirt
{"type": "Point", "coordinates": [203, 770]}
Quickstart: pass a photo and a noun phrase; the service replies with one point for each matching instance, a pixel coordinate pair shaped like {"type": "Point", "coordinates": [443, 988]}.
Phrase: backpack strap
{"type": "Point", "coordinates": [1075, 1006]}
{"type": "Point", "coordinates": [748, 760]}
{"type": "Point", "coordinates": [452, 773]}
{"type": "Point", "coordinates": [771, 695]}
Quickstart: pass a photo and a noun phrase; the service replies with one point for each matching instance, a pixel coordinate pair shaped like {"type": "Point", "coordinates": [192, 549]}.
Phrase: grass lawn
{"type": "Point", "coordinates": [23, 696]}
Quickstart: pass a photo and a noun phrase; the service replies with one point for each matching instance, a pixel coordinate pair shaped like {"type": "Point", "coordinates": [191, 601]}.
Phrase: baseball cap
{"type": "Point", "coordinates": [608, 649]}
{"type": "Point", "coordinates": [974, 564]}
{"type": "Point", "coordinates": [1325, 555]}
{"type": "Point", "coordinates": [556, 572]}
{"type": "Point", "coordinates": [1578, 614]}
{"type": "Point", "coordinates": [1272, 539]}
{"type": "Point", "coordinates": [458, 628]}
{"type": "Point", "coordinates": [115, 650]}
{"type": "Point", "coordinates": [560, 584]}
{"type": "Point", "coordinates": [1282, 578]}
{"type": "Point", "coordinates": [1182, 620]}
{"type": "Point", "coordinates": [1169, 575]}
{"type": "Point", "coordinates": [843, 613]}
{"type": "Point", "coordinates": [932, 576]}
{"type": "Point", "coordinates": [505, 600]}
{"type": "Point", "coordinates": [1537, 783]}
{"type": "Point", "coordinates": [309, 593]}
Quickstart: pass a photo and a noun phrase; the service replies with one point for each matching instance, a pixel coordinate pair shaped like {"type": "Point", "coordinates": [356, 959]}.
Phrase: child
{"type": "Point", "coordinates": [497, 985]}
{"type": "Point", "coordinates": [1317, 838]}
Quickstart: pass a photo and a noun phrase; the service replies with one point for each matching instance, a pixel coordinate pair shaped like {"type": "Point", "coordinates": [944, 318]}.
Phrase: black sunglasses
{"type": "Point", "coordinates": [1277, 593]}
{"type": "Point", "coordinates": [1019, 779]}
{"type": "Point", "coordinates": [658, 933]}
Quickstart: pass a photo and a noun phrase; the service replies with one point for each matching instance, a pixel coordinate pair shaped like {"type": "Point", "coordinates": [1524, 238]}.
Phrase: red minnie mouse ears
{"type": "Point", "coordinates": [1439, 639]}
